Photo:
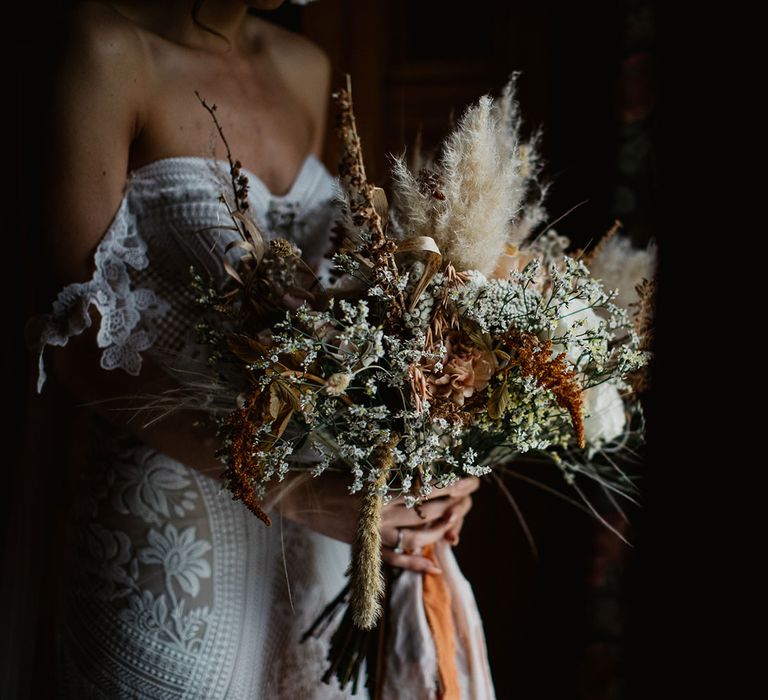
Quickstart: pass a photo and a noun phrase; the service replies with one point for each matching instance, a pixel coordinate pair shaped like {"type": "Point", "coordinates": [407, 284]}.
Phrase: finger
{"type": "Point", "coordinates": [433, 510]}
{"type": "Point", "coordinates": [462, 487]}
{"type": "Point", "coordinates": [461, 510]}
{"type": "Point", "coordinates": [452, 534]}
{"type": "Point", "coordinates": [413, 538]}
{"type": "Point", "coordinates": [402, 516]}
{"type": "Point", "coordinates": [414, 562]}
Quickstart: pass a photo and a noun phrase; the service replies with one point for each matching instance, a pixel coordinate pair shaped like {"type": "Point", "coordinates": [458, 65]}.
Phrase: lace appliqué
{"type": "Point", "coordinates": [126, 328]}
{"type": "Point", "coordinates": [153, 580]}
{"type": "Point", "coordinates": [283, 220]}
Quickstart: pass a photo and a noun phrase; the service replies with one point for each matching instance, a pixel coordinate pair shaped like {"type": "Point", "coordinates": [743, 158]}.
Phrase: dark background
{"type": "Point", "coordinates": [588, 617]}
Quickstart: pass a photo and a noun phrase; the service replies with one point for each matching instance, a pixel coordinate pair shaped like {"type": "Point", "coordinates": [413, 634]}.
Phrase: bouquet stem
{"type": "Point", "coordinates": [361, 634]}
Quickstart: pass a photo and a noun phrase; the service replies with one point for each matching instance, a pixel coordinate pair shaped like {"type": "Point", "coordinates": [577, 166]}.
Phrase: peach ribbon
{"type": "Point", "coordinates": [437, 606]}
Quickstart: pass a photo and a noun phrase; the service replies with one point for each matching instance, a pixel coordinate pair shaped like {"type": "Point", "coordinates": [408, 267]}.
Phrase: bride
{"type": "Point", "coordinates": [171, 588]}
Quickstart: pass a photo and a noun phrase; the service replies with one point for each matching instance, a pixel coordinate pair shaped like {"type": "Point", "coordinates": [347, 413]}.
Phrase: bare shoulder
{"type": "Point", "coordinates": [101, 51]}
{"type": "Point", "coordinates": [298, 52]}
{"type": "Point", "coordinates": [97, 37]}
{"type": "Point", "coordinates": [305, 65]}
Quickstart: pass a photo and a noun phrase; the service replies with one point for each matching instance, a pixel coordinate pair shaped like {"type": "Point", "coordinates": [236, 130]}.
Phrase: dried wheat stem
{"type": "Point", "coordinates": [366, 578]}
{"type": "Point", "coordinates": [377, 247]}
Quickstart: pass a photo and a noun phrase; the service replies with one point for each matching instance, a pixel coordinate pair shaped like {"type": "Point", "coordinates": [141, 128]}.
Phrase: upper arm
{"type": "Point", "coordinates": [95, 104]}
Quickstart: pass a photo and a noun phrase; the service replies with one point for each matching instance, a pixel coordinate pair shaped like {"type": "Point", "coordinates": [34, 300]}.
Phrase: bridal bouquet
{"type": "Point", "coordinates": [454, 337]}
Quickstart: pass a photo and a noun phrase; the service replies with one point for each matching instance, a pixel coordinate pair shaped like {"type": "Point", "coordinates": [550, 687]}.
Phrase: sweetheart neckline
{"type": "Point", "coordinates": [253, 179]}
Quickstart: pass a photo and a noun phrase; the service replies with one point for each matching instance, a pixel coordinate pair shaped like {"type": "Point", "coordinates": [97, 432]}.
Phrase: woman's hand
{"type": "Point", "coordinates": [326, 506]}
{"type": "Point", "coordinates": [443, 515]}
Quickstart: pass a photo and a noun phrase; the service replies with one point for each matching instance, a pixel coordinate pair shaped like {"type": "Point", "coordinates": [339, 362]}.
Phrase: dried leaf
{"type": "Point", "coordinates": [504, 357]}
{"type": "Point", "coordinates": [233, 273]}
{"type": "Point", "coordinates": [254, 235]}
{"type": "Point", "coordinates": [282, 422]}
{"type": "Point", "coordinates": [499, 401]}
{"type": "Point", "coordinates": [427, 246]}
{"type": "Point", "coordinates": [380, 203]}
{"type": "Point", "coordinates": [245, 348]}
{"type": "Point", "coordinates": [290, 394]}
{"type": "Point", "coordinates": [275, 402]}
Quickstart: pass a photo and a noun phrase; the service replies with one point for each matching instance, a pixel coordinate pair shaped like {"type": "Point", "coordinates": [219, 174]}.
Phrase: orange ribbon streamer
{"type": "Point", "coordinates": [437, 605]}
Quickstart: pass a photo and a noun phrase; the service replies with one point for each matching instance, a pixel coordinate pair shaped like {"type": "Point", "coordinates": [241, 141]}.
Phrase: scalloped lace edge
{"type": "Point", "coordinates": [126, 327]}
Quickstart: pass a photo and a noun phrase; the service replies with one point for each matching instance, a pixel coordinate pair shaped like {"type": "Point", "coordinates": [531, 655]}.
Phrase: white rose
{"type": "Point", "coordinates": [577, 311]}
{"type": "Point", "coordinates": [604, 417]}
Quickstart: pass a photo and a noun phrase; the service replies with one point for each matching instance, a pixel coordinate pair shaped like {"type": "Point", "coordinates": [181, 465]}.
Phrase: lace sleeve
{"type": "Point", "coordinates": [127, 313]}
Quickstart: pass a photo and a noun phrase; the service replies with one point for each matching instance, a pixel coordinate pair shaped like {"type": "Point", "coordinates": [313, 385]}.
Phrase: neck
{"type": "Point", "coordinates": [173, 20]}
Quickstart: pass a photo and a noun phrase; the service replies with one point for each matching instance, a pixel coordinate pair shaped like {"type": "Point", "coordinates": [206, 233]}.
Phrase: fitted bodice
{"type": "Point", "coordinates": [170, 218]}
{"type": "Point", "coordinates": [180, 212]}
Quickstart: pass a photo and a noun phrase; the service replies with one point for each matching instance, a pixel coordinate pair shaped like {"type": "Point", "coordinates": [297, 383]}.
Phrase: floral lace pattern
{"type": "Point", "coordinates": [146, 530]}
{"type": "Point", "coordinates": [152, 575]}
{"type": "Point", "coordinates": [126, 313]}
{"type": "Point", "coordinates": [152, 487]}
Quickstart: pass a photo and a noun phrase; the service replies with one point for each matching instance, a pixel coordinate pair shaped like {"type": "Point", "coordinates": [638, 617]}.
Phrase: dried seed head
{"type": "Point", "coordinates": [337, 383]}
{"type": "Point", "coordinates": [281, 248]}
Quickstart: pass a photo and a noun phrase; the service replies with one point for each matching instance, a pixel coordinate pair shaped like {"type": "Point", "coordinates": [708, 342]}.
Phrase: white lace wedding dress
{"type": "Point", "coordinates": [176, 590]}
{"type": "Point", "coordinates": [179, 591]}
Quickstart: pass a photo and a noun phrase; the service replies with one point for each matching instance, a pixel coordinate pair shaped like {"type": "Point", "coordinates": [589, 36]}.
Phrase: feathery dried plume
{"type": "Point", "coordinates": [622, 266]}
{"type": "Point", "coordinates": [507, 113]}
{"type": "Point", "coordinates": [533, 212]}
{"type": "Point", "coordinates": [366, 578]}
{"type": "Point", "coordinates": [588, 256]}
{"type": "Point", "coordinates": [414, 203]}
{"type": "Point", "coordinates": [643, 312]}
{"type": "Point", "coordinates": [480, 186]}
{"type": "Point", "coordinates": [530, 160]}
{"type": "Point", "coordinates": [472, 199]}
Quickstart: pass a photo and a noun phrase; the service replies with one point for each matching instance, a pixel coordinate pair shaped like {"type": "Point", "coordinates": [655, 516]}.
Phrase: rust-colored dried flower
{"type": "Point", "coordinates": [534, 358]}
{"type": "Point", "coordinates": [589, 256]}
{"type": "Point", "coordinates": [242, 428]}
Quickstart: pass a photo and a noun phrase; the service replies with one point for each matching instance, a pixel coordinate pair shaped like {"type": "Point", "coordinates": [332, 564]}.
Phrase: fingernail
{"type": "Point", "coordinates": [434, 570]}
{"type": "Point", "coordinates": [453, 518]}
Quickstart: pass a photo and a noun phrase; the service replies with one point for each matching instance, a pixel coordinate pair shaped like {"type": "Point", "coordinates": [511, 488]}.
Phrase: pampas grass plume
{"type": "Point", "coordinates": [483, 173]}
